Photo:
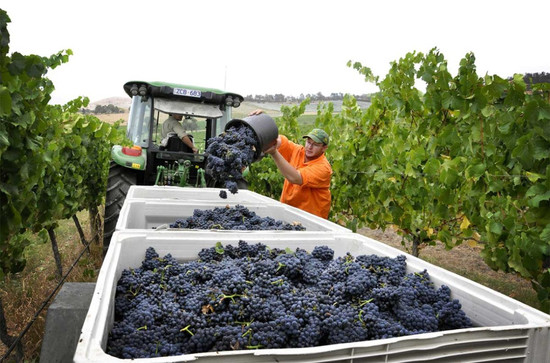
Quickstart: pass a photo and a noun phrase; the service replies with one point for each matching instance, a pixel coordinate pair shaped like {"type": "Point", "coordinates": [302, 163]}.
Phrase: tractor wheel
{"type": "Point", "coordinates": [120, 180]}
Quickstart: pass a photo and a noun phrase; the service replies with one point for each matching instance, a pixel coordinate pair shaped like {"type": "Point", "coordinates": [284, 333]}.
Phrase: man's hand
{"type": "Point", "coordinates": [274, 148]}
{"type": "Point", "coordinates": [195, 150]}
{"type": "Point", "coordinates": [255, 112]}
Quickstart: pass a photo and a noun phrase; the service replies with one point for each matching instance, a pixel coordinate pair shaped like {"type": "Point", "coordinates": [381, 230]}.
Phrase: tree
{"type": "Point", "coordinates": [535, 78]}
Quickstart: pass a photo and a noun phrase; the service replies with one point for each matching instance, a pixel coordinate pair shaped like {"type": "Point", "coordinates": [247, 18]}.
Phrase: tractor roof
{"type": "Point", "coordinates": [181, 91]}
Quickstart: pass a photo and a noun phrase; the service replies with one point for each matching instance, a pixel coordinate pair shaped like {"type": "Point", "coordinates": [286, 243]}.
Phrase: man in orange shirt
{"type": "Point", "coordinates": [306, 170]}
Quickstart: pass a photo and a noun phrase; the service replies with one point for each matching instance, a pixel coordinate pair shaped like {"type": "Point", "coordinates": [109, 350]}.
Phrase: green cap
{"type": "Point", "coordinates": [318, 135]}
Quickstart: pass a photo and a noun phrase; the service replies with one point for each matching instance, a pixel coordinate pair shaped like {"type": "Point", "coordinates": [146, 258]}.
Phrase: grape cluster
{"type": "Point", "coordinates": [229, 154]}
{"type": "Point", "coordinates": [252, 297]}
{"type": "Point", "coordinates": [233, 218]}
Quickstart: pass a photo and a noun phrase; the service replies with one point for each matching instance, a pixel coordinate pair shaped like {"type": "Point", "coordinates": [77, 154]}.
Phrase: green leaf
{"type": "Point", "coordinates": [535, 189]}
{"type": "Point", "coordinates": [496, 186]}
{"type": "Point", "coordinates": [545, 234]}
{"type": "Point", "coordinates": [488, 111]}
{"type": "Point", "coordinates": [449, 177]}
{"type": "Point", "coordinates": [524, 152]}
{"type": "Point", "coordinates": [5, 101]}
{"type": "Point", "coordinates": [534, 202]}
{"type": "Point", "coordinates": [532, 112]}
{"type": "Point", "coordinates": [35, 68]}
{"type": "Point", "coordinates": [541, 149]}
{"type": "Point", "coordinates": [4, 141]}
{"type": "Point", "coordinates": [431, 168]}
{"type": "Point", "coordinates": [496, 228]}
{"type": "Point", "coordinates": [17, 64]}
{"type": "Point", "coordinates": [475, 171]}
{"type": "Point", "coordinates": [506, 123]}
{"type": "Point", "coordinates": [219, 248]}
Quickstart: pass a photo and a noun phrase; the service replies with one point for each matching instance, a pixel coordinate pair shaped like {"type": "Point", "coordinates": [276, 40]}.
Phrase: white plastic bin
{"type": "Point", "coordinates": [505, 329]}
{"type": "Point", "coordinates": [188, 194]}
{"type": "Point", "coordinates": [148, 214]}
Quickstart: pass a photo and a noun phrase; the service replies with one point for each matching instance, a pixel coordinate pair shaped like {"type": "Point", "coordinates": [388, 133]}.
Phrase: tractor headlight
{"type": "Point", "coordinates": [134, 90]}
{"type": "Point", "coordinates": [229, 101]}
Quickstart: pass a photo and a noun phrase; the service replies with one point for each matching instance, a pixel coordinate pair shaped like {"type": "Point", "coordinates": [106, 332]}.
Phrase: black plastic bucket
{"type": "Point", "coordinates": [264, 128]}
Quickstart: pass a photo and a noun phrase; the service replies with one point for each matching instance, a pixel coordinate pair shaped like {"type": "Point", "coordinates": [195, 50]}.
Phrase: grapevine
{"type": "Point", "coordinates": [53, 159]}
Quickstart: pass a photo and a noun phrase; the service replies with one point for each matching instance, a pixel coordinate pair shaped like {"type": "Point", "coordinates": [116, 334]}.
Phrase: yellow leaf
{"type": "Point", "coordinates": [465, 223]}
{"type": "Point", "coordinates": [430, 231]}
{"type": "Point", "coordinates": [533, 177]}
{"type": "Point", "coordinates": [392, 179]}
{"type": "Point", "coordinates": [471, 242]}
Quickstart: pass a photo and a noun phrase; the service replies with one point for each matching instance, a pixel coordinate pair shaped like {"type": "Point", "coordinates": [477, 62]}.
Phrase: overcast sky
{"type": "Point", "coordinates": [268, 47]}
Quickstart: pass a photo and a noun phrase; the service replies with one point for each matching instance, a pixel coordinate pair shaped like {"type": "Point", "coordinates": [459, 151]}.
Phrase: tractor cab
{"type": "Point", "coordinates": [157, 159]}
{"type": "Point", "coordinates": [166, 160]}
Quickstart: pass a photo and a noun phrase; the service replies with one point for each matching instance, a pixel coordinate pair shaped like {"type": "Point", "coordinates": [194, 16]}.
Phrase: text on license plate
{"type": "Point", "coordinates": [187, 92]}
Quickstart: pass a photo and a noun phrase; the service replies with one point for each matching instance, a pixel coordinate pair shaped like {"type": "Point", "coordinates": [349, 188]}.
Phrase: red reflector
{"type": "Point", "coordinates": [131, 151]}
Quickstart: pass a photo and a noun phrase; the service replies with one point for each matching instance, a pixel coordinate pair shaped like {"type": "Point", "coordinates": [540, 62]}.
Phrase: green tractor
{"type": "Point", "coordinates": [154, 160]}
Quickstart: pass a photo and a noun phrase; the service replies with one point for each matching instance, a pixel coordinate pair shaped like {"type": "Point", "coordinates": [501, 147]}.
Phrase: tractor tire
{"type": "Point", "coordinates": [119, 181]}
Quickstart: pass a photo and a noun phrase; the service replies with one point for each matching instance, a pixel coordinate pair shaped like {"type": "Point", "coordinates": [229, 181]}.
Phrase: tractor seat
{"type": "Point", "coordinates": [174, 143]}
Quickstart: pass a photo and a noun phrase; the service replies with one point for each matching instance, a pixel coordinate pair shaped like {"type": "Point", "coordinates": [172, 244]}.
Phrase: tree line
{"type": "Point", "coordinates": [535, 78]}
{"type": "Point", "coordinates": [102, 109]}
{"type": "Point", "coordinates": [528, 78]}
{"type": "Point", "coordinates": [279, 97]}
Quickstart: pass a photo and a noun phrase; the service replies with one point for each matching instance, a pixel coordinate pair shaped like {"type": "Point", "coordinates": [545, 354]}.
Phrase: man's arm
{"type": "Point", "coordinates": [286, 169]}
{"type": "Point", "coordinates": [177, 128]}
{"type": "Point", "coordinates": [187, 141]}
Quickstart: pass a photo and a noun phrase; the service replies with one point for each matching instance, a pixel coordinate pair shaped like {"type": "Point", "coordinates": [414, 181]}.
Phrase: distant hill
{"type": "Point", "coordinates": [274, 108]}
{"type": "Point", "coordinates": [122, 102]}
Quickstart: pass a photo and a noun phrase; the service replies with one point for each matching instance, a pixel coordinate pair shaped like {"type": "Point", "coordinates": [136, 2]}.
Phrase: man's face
{"type": "Point", "coordinates": [177, 116]}
{"type": "Point", "coordinates": [314, 149]}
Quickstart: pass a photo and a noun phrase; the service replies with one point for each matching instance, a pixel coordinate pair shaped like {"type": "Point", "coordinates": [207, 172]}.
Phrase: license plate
{"type": "Point", "coordinates": [187, 92]}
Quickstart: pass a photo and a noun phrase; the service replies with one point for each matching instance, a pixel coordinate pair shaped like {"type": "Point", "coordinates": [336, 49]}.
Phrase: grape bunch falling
{"type": "Point", "coordinates": [250, 296]}
{"type": "Point", "coordinates": [229, 154]}
{"type": "Point", "coordinates": [233, 218]}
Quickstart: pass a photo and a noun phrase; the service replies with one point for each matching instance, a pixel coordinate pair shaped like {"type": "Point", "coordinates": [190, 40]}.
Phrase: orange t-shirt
{"type": "Point", "coordinates": [313, 195]}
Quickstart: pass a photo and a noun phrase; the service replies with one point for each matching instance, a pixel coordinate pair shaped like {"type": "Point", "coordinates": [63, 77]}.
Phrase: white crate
{"type": "Point", "coordinates": [189, 194]}
{"type": "Point", "coordinates": [148, 214]}
{"type": "Point", "coordinates": [505, 329]}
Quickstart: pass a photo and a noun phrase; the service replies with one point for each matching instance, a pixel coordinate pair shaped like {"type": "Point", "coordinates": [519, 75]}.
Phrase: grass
{"type": "Point", "coordinates": [24, 293]}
